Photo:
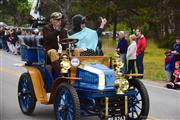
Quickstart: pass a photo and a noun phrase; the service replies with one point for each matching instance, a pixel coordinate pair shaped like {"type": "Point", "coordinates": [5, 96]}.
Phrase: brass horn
{"type": "Point", "coordinates": [121, 83]}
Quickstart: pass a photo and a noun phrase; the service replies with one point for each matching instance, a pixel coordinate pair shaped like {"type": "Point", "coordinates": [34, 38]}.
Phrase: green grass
{"type": "Point", "coordinates": [154, 62]}
{"type": "Point", "coordinates": [153, 59]}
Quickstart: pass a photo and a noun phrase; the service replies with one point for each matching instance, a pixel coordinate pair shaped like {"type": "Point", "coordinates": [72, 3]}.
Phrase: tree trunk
{"type": "Point", "coordinates": [177, 20]}
{"type": "Point", "coordinates": [15, 21]}
{"type": "Point", "coordinates": [166, 27]}
{"type": "Point", "coordinates": [115, 26]}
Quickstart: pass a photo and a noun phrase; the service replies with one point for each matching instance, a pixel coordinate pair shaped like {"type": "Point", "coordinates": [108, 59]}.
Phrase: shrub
{"type": "Point", "coordinates": [167, 42]}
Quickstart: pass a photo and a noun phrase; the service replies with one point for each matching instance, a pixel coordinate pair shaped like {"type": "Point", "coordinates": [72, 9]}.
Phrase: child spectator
{"type": "Point", "coordinates": [131, 54]}
{"type": "Point", "coordinates": [17, 48]}
{"type": "Point", "coordinates": [175, 84]}
{"type": "Point", "coordinates": [169, 65]}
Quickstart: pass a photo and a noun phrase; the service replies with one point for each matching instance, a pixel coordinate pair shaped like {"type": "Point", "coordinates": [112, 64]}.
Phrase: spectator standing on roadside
{"type": "Point", "coordinates": [169, 65]}
{"type": "Point", "coordinates": [141, 46]}
{"type": "Point", "coordinates": [122, 49]}
{"type": "Point", "coordinates": [176, 49]}
{"type": "Point", "coordinates": [131, 54]}
{"type": "Point", "coordinates": [1, 37]}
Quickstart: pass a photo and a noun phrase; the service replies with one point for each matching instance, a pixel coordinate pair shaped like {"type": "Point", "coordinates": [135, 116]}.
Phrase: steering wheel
{"type": "Point", "coordinates": [69, 40]}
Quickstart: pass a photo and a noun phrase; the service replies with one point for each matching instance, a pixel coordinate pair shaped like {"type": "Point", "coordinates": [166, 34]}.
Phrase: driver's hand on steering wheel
{"type": "Point", "coordinates": [79, 49]}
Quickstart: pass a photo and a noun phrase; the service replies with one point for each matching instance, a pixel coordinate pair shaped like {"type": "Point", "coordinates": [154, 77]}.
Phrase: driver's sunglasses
{"type": "Point", "coordinates": [58, 19]}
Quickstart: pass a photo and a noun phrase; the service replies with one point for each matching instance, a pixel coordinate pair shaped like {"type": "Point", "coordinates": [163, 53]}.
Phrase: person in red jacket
{"type": "Point", "coordinates": [175, 84]}
{"type": "Point", "coordinates": [141, 46]}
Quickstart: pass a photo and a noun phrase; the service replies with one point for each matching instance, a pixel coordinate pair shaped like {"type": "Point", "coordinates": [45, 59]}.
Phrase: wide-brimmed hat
{"type": "Point", "coordinates": [56, 15]}
{"type": "Point", "coordinates": [78, 19]}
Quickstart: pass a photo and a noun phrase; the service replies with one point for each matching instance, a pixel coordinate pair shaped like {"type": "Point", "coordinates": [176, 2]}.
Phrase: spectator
{"type": "Point", "coordinates": [1, 37]}
{"type": "Point", "coordinates": [17, 48]}
{"type": "Point", "coordinates": [122, 49]}
{"type": "Point", "coordinates": [11, 41]}
{"type": "Point", "coordinates": [176, 49]}
{"type": "Point", "coordinates": [169, 65]}
{"type": "Point", "coordinates": [35, 32]}
{"type": "Point", "coordinates": [141, 46]}
{"type": "Point", "coordinates": [175, 84]}
{"type": "Point", "coordinates": [85, 35]}
{"type": "Point", "coordinates": [131, 54]}
{"type": "Point", "coordinates": [52, 34]}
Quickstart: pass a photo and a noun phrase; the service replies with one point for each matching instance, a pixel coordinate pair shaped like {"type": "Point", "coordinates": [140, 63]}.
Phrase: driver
{"type": "Point", "coordinates": [52, 34]}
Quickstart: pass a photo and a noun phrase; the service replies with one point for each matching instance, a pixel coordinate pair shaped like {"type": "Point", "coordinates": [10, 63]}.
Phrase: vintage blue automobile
{"type": "Point", "coordinates": [91, 86]}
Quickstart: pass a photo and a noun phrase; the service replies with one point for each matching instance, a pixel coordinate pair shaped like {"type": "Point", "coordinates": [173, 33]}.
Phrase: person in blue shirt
{"type": "Point", "coordinates": [176, 49]}
{"type": "Point", "coordinates": [88, 38]}
{"type": "Point", "coordinates": [122, 49]}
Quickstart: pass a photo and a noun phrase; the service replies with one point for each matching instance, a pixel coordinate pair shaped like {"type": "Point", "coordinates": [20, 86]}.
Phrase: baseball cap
{"type": "Point", "coordinates": [177, 62]}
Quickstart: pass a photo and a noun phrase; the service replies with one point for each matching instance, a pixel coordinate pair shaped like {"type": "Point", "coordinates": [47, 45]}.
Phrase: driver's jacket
{"type": "Point", "coordinates": [50, 35]}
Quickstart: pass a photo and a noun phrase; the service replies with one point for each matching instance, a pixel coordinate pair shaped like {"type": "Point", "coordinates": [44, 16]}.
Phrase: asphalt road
{"type": "Point", "coordinates": [164, 103]}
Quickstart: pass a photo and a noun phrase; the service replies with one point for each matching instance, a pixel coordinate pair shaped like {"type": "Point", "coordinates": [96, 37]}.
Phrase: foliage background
{"type": "Point", "coordinates": [159, 20]}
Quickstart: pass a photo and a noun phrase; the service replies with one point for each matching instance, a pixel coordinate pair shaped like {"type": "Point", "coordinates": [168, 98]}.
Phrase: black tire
{"type": "Point", "coordinates": [139, 102]}
{"type": "Point", "coordinates": [26, 97]}
{"type": "Point", "coordinates": [66, 104]}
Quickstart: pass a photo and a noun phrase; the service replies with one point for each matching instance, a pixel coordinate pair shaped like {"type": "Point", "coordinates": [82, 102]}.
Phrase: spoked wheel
{"type": "Point", "coordinates": [139, 101]}
{"type": "Point", "coordinates": [26, 96]}
{"type": "Point", "coordinates": [66, 105]}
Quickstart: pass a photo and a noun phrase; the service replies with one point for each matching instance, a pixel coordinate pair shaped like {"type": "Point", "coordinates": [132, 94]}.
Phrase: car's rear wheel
{"type": "Point", "coordinates": [26, 96]}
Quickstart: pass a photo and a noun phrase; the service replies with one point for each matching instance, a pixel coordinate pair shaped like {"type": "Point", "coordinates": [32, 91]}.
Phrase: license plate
{"type": "Point", "coordinates": [117, 118]}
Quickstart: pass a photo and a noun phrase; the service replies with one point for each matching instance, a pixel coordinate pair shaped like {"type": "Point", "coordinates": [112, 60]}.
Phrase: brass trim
{"type": "Point", "coordinates": [107, 107]}
{"type": "Point", "coordinates": [126, 105]}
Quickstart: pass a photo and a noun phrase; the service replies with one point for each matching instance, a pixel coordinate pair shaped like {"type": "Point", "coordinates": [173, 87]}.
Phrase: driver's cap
{"type": "Point", "coordinates": [56, 15]}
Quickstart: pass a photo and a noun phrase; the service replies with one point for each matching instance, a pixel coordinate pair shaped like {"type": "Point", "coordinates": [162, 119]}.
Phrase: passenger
{"type": "Point", "coordinates": [131, 54]}
{"type": "Point", "coordinates": [122, 49]}
{"type": "Point", "coordinates": [175, 84]}
{"type": "Point", "coordinates": [88, 38]}
{"type": "Point", "coordinates": [52, 34]}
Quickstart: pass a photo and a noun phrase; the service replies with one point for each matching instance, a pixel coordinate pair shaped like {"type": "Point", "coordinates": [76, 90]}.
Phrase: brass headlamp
{"type": "Point", "coordinates": [65, 64]}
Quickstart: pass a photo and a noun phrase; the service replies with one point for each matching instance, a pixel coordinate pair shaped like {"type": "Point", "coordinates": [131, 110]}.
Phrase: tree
{"type": "Point", "coordinates": [17, 10]}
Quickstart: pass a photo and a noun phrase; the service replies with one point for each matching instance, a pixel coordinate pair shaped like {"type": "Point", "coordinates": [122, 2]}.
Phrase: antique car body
{"type": "Point", "coordinates": [91, 85]}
